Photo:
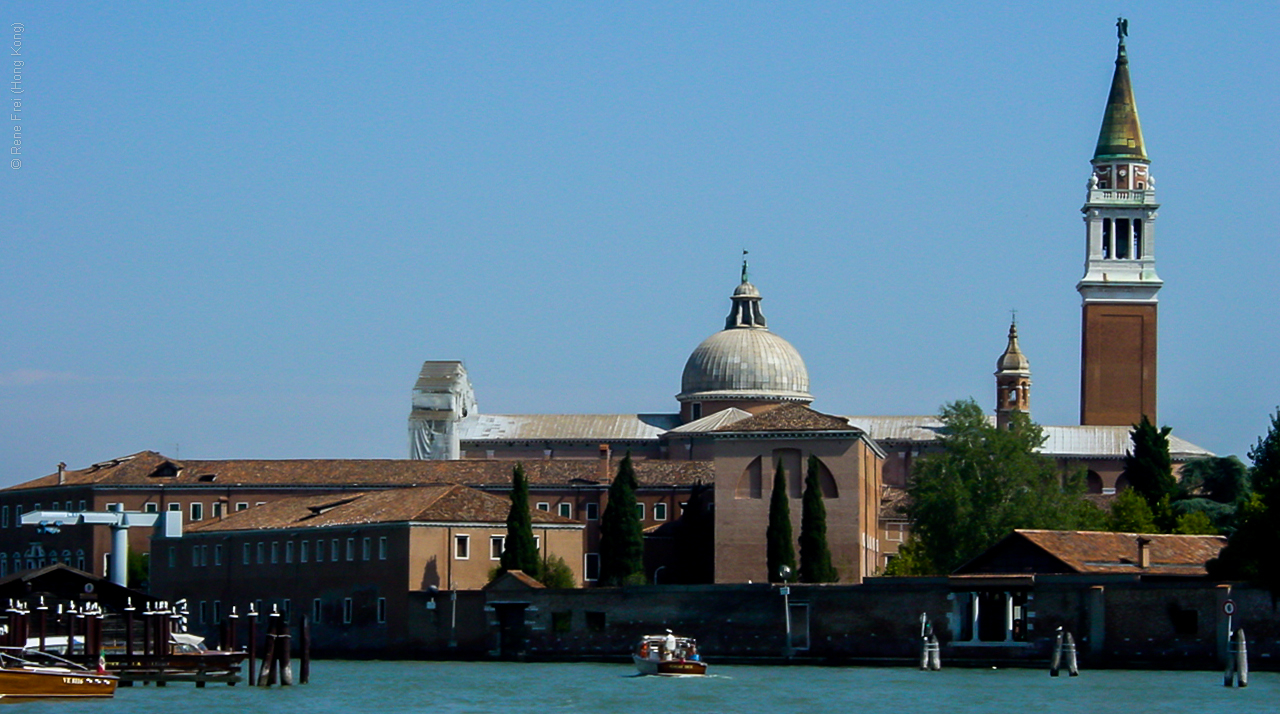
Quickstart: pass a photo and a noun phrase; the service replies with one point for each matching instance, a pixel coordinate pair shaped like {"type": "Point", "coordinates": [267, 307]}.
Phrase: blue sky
{"type": "Point", "coordinates": [238, 231]}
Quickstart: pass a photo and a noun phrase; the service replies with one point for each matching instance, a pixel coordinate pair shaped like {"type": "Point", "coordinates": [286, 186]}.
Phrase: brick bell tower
{"type": "Point", "coordinates": [1119, 287]}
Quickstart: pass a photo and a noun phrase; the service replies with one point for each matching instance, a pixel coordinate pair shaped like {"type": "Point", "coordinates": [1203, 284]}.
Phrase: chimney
{"type": "Point", "coordinates": [604, 462]}
{"type": "Point", "coordinates": [62, 473]}
{"type": "Point", "coordinates": [1144, 552]}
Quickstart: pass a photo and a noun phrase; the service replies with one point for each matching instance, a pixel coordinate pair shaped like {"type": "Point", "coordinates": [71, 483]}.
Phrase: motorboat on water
{"type": "Point", "coordinates": [669, 655]}
{"type": "Point", "coordinates": [30, 674]}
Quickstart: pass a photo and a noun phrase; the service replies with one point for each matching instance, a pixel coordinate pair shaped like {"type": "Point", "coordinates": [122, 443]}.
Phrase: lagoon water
{"type": "Point", "coordinates": [516, 688]}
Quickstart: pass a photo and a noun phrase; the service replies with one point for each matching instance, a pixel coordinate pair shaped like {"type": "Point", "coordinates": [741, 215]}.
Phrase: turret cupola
{"type": "Point", "coordinates": [1013, 381]}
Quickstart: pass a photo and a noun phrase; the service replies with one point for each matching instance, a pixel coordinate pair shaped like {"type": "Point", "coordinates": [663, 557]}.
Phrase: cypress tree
{"type": "Point", "coordinates": [519, 551]}
{"type": "Point", "coordinates": [1149, 469]}
{"type": "Point", "coordinates": [780, 550]}
{"type": "Point", "coordinates": [694, 557]}
{"type": "Point", "coordinates": [815, 555]}
{"type": "Point", "coordinates": [621, 535]}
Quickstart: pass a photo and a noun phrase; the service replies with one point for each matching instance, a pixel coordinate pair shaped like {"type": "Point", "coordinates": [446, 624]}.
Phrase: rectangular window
{"type": "Point", "coordinates": [110, 507]}
{"type": "Point", "coordinates": [150, 507]}
{"type": "Point", "coordinates": [334, 553]}
{"type": "Point", "coordinates": [591, 567]}
{"type": "Point", "coordinates": [246, 554]}
{"type": "Point", "coordinates": [204, 612]}
{"type": "Point", "coordinates": [262, 550]}
{"type": "Point", "coordinates": [197, 512]}
{"type": "Point", "coordinates": [54, 506]}
{"type": "Point", "coordinates": [346, 610]}
{"type": "Point", "coordinates": [659, 511]}
{"type": "Point", "coordinates": [593, 511]}
{"type": "Point", "coordinates": [304, 551]}
{"type": "Point", "coordinates": [640, 511]}
{"type": "Point", "coordinates": [351, 549]}
{"type": "Point", "coordinates": [173, 557]}
{"type": "Point", "coordinates": [4, 516]}
{"type": "Point", "coordinates": [462, 547]}
{"type": "Point", "coordinates": [544, 506]}
{"type": "Point", "coordinates": [242, 506]}
{"type": "Point", "coordinates": [382, 609]}
{"type": "Point", "coordinates": [217, 611]}
{"type": "Point", "coordinates": [217, 509]}
{"type": "Point", "coordinates": [175, 506]}
{"type": "Point", "coordinates": [566, 510]}
{"type": "Point", "coordinates": [285, 606]}
{"type": "Point", "coordinates": [82, 504]}
{"type": "Point", "coordinates": [320, 550]}
{"type": "Point", "coordinates": [195, 556]}
{"type": "Point", "coordinates": [316, 608]}
{"type": "Point", "coordinates": [382, 548]}
{"type": "Point", "coordinates": [366, 549]}
{"type": "Point", "coordinates": [217, 556]}
{"type": "Point", "coordinates": [288, 552]}
{"type": "Point", "coordinates": [275, 552]}
{"type": "Point", "coordinates": [495, 547]}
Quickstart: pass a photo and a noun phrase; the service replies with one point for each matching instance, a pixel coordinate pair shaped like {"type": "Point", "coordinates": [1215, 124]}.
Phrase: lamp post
{"type": "Point", "coordinates": [785, 572]}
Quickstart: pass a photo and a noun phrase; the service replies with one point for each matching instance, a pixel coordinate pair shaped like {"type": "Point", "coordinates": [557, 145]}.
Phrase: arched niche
{"type": "Point", "coordinates": [751, 482]}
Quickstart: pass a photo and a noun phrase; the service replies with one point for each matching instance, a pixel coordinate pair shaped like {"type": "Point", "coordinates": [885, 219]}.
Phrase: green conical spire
{"type": "Point", "coordinates": [1121, 135]}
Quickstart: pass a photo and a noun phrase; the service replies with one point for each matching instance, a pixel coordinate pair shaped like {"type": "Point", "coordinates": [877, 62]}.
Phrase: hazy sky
{"type": "Point", "coordinates": [237, 230]}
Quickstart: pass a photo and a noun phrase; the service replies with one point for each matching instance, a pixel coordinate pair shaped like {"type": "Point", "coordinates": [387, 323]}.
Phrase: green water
{"type": "Point", "coordinates": [511, 688]}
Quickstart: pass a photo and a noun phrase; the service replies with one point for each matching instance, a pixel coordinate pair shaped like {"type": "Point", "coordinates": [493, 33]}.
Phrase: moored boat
{"type": "Point", "coordinates": [668, 655]}
{"type": "Point", "coordinates": [25, 674]}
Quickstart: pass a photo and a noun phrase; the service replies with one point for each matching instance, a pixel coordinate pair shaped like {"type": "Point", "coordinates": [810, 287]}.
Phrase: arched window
{"type": "Point", "coordinates": [4, 564]}
{"type": "Point", "coordinates": [1093, 482]}
{"type": "Point", "coordinates": [79, 560]}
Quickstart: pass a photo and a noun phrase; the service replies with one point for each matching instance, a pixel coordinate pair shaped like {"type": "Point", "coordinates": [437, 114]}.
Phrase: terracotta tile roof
{"type": "Point", "coordinates": [150, 468]}
{"type": "Point", "coordinates": [447, 504]}
{"type": "Point", "coordinates": [790, 417]}
{"type": "Point", "coordinates": [1104, 553]}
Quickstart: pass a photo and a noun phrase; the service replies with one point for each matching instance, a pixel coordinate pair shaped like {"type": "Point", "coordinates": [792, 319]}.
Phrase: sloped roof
{"type": "Point", "coordinates": [566, 427]}
{"type": "Point", "coordinates": [790, 417]}
{"type": "Point", "coordinates": [1106, 442]}
{"type": "Point", "coordinates": [148, 468]}
{"type": "Point", "coordinates": [437, 504]}
{"type": "Point", "coordinates": [712, 422]}
{"type": "Point", "coordinates": [1098, 553]}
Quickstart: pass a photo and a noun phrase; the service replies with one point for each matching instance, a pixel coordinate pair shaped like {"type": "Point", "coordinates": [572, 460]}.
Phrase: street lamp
{"type": "Point", "coordinates": [784, 571]}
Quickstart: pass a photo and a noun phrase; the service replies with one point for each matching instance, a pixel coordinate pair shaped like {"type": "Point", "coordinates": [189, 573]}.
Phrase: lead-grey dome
{"type": "Point", "coordinates": [745, 360]}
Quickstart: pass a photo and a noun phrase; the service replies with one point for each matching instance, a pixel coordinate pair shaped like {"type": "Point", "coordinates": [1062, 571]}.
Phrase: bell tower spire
{"type": "Point", "coordinates": [1013, 380]}
{"type": "Point", "coordinates": [1119, 287]}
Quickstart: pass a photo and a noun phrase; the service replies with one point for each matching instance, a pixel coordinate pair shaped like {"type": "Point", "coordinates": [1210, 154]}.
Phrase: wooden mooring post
{"type": "Point", "coordinates": [304, 669]}
{"type": "Point", "coordinates": [1237, 661]}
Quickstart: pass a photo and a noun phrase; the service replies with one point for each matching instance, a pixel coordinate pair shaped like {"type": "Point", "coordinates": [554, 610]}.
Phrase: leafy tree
{"type": "Point", "coordinates": [1149, 469]}
{"type": "Point", "coordinates": [815, 555]}
{"type": "Point", "coordinates": [1131, 514]}
{"type": "Point", "coordinates": [984, 483]}
{"type": "Point", "coordinates": [621, 535]}
{"type": "Point", "coordinates": [694, 558]}
{"type": "Point", "coordinates": [1251, 550]}
{"type": "Point", "coordinates": [520, 550]}
{"type": "Point", "coordinates": [1194, 523]}
{"type": "Point", "coordinates": [138, 569]}
{"type": "Point", "coordinates": [555, 573]}
{"type": "Point", "coordinates": [1224, 479]}
{"type": "Point", "coordinates": [780, 548]}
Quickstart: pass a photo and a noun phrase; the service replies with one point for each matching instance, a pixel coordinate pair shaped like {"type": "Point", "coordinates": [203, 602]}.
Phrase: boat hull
{"type": "Point", "coordinates": [670, 667]}
{"type": "Point", "coordinates": [48, 683]}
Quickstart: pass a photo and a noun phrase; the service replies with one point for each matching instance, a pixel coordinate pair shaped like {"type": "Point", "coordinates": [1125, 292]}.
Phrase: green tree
{"type": "Point", "coordinates": [780, 549]}
{"type": "Point", "coordinates": [1224, 479]}
{"type": "Point", "coordinates": [984, 483]}
{"type": "Point", "coordinates": [555, 573]}
{"type": "Point", "coordinates": [1131, 514]}
{"type": "Point", "coordinates": [520, 550]}
{"type": "Point", "coordinates": [694, 557]}
{"type": "Point", "coordinates": [1149, 469]}
{"type": "Point", "coordinates": [621, 535]}
{"type": "Point", "coordinates": [138, 569]}
{"type": "Point", "coordinates": [815, 555]}
{"type": "Point", "coordinates": [1194, 523]}
{"type": "Point", "coordinates": [1251, 550]}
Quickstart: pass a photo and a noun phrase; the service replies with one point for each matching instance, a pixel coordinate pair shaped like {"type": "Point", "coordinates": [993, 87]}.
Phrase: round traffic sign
{"type": "Point", "coordinates": [1229, 607]}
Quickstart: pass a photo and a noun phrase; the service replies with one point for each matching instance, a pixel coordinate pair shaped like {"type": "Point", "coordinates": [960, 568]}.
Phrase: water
{"type": "Point", "coordinates": [514, 688]}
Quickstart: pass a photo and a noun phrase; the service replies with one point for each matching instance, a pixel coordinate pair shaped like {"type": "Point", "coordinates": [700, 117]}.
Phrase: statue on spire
{"type": "Point", "coordinates": [744, 265]}
{"type": "Point", "coordinates": [1122, 29]}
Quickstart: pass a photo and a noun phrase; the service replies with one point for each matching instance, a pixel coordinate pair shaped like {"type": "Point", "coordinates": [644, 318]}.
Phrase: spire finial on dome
{"type": "Point", "coordinates": [744, 266]}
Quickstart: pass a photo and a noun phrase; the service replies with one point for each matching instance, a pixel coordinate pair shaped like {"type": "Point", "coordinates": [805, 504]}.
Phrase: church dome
{"type": "Point", "coordinates": [745, 361]}
{"type": "Point", "coordinates": [1012, 360]}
